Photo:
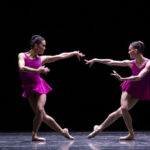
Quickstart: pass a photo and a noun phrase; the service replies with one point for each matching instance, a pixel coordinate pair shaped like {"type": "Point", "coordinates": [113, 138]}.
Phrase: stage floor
{"type": "Point", "coordinates": [54, 141]}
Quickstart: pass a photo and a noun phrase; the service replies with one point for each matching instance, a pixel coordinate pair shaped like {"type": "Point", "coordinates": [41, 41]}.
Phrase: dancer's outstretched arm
{"type": "Point", "coordinates": [138, 77]}
{"type": "Point", "coordinates": [50, 59]}
{"type": "Point", "coordinates": [110, 62]}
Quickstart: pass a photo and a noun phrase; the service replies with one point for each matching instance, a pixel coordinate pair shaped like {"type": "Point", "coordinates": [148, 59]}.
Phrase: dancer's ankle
{"type": "Point", "coordinates": [98, 128]}
{"type": "Point", "coordinates": [34, 133]}
{"type": "Point", "coordinates": [131, 132]}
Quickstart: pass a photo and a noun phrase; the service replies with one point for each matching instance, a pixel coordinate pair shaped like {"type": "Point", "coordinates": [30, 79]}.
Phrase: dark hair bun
{"type": "Point", "coordinates": [36, 39]}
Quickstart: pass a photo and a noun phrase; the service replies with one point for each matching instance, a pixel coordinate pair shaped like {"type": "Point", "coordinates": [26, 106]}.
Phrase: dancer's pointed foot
{"type": "Point", "coordinates": [36, 138]}
{"type": "Point", "coordinates": [128, 137]}
{"type": "Point", "coordinates": [97, 129]}
{"type": "Point", "coordinates": [67, 135]}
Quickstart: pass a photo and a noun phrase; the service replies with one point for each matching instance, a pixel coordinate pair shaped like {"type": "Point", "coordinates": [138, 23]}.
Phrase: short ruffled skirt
{"type": "Point", "coordinates": [137, 89]}
{"type": "Point", "coordinates": [40, 87]}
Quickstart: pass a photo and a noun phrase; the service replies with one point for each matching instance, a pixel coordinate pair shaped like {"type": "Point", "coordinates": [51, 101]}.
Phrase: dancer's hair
{"type": "Point", "coordinates": [36, 39]}
{"type": "Point", "coordinates": [139, 45]}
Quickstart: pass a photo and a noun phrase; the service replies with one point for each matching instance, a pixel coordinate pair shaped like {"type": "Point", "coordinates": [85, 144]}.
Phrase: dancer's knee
{"type": "Point", "coordinates": [118, 113]}
{"type": "Point", "coordinates": [124, 109]}
{"type": "Point", "coordinates": [40, 112]}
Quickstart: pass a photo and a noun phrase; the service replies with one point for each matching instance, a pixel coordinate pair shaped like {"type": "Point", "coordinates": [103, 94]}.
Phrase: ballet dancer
{"type": "Point", "coordinates": [134, 88]}
{"type": "Point", "coordinates": [31, 65]}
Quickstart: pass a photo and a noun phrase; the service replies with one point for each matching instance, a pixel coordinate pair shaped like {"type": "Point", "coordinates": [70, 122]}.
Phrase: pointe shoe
{"type": "Point", "coordinates": [95, 132]}
{"type": "Point", "coordinates": [36, 138]}
{"type": "Point", "coordinates": [128, 137]}
{"type": "Point", "coordinates": [67, 135]}
{"type": "Point", "coordinates": [92, 134]}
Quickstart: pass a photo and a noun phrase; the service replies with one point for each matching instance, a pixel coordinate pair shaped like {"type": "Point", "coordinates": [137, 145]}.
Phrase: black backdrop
{"type": "Point", "coordinates": [81, 96]}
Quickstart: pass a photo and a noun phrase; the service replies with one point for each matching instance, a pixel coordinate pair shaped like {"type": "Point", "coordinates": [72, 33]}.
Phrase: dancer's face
{"type": "Point", "coordinates": [41, 47]}
{"type": "Point", "coordinates": [132, 52]}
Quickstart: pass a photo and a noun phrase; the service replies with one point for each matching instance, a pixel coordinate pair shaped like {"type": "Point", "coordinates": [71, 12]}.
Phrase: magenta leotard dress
{"type": "Point", "coordinates": [32, 81]}
{"type": "Point", "coordinates": [138, 89]}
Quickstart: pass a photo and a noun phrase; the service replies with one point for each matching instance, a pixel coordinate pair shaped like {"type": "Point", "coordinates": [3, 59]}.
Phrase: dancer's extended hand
{"type": "Point", "coordinates": [116, 75]}
{"type": "Point", "coordinates": [79, 55]}
{"type": "Point", "coordinates": [89, 62]}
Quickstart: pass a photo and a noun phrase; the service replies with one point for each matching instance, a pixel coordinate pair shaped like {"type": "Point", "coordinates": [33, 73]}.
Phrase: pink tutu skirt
{"type": "Point", "coordinates": [41, 87]}
{"type": "Point", "coordinates": [137, 89]}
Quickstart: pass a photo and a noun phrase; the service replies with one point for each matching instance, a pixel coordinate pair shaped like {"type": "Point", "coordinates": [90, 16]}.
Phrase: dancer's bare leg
{"type": "Point", "coordinates": [39, 102]}
{"type": "Point", "coordinates": [50, 121]}
{"type": "Point", "coordinates": [126, 101]}
{"type": "Point", "coordinates": [55, 126]}
{"type": "Point", "coordinates": [111, 118]}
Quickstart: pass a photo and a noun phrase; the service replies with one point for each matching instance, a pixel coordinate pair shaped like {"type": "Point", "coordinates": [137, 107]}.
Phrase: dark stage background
{"type": "Point", "coordinates": [81, 96]}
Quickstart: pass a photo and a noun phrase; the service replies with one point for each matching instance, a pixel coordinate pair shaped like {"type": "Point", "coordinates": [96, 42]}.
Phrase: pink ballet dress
{"type": "Point", "coordinates": [138, 89]}
{"type": "Point", "coordinates": [32, 82]}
